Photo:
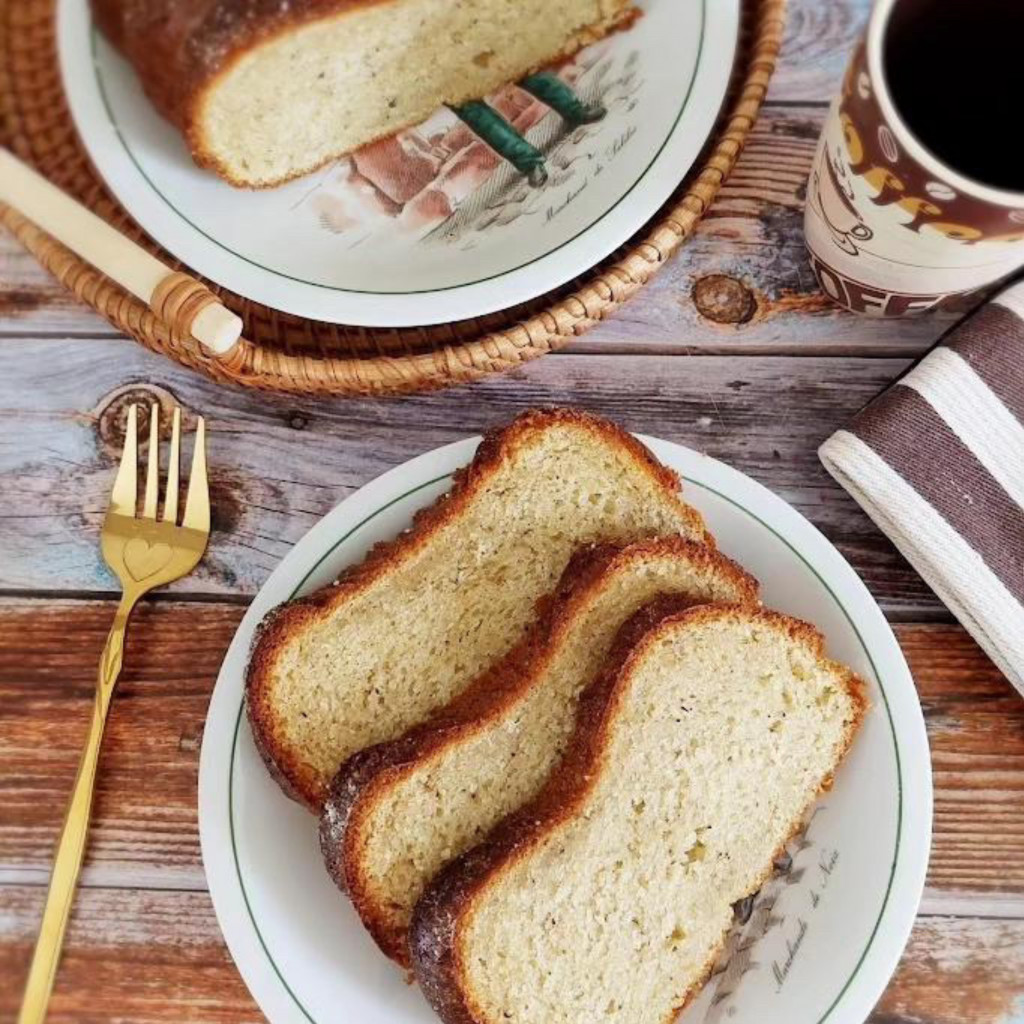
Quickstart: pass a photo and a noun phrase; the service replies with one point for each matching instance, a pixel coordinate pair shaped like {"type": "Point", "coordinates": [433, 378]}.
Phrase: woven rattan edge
{"type": "Point", "coordinates": [599, 296]}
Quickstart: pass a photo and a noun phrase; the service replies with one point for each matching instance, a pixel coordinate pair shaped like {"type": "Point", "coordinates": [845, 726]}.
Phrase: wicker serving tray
{"type": "Point", "coordinates": [285, 353]}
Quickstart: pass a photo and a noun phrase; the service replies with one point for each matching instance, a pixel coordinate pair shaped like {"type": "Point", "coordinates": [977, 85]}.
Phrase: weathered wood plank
{"type": "Point", "coordinates": [155, 957]}
{"type": "Point", "coordinates": [958, 972]}
{"type": "Point", "coordinates": [820, 36]}
{"type": "Point", "coordinates": [145, 830]}
{"type": "Point", "coordinates": [279, 463]}
{"type": "Point", "coordinates": [32, 302]}
{"type": "Point", "coordinates": [976, 733]}
{"type": "Point", "coordinates": [742, 284]}
{"type": "Point", "coordinates": [129, 955]}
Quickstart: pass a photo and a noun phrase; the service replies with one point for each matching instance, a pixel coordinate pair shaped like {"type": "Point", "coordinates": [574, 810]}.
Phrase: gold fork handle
{"type": "Point", "coordinates": [71, 847]}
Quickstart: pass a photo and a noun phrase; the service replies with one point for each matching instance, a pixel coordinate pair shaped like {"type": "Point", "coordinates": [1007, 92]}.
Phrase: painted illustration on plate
{"type": "Point", "coordinates": [770, 927]}
{"type": "Point", "coordinates": [528, 151]}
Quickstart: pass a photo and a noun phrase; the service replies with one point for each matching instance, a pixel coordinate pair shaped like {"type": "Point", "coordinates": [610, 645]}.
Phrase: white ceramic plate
{"type": "Point", "coordinates": [839, 917]}
{"type": "Point", "coordinates": [433, 227]}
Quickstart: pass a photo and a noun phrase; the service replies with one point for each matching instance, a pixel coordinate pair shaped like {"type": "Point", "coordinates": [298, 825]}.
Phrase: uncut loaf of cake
{"type": "Point", "coordinates": [400, 635]}
{"type": "Point", "coordinates": [694, 759]}
{"type": "Point", "coordinates": [398, 812]}
{"type": "Point", "coordinates": [267, 90]}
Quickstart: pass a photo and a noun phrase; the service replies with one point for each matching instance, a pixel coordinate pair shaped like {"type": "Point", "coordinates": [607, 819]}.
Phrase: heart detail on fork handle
{"type": "Point", "coordinates": [143, 559]}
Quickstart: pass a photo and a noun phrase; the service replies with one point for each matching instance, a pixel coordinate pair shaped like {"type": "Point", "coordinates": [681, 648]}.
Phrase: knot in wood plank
{"type": "Point", "coordinates": [723, 299]}
{"type": "Point", "coordinates": [111, 414]}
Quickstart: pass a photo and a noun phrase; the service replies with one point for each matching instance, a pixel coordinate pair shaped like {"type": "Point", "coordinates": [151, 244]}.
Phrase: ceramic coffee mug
{"type": "Point", "coordinates": [892, 229]}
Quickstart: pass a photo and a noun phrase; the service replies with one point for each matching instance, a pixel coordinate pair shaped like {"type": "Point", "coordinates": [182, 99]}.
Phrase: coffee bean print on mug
{"type": "Point", "coordinates": [891, 230]}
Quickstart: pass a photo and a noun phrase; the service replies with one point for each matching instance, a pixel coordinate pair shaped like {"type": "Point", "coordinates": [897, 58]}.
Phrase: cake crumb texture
{"type": "Point", "coordinates": [400, 635]}
{"type": "Point", "coordinates": [400, 811]}
{"type": "Point", "coordinates": [267, 90]}
{"type": "Point", "coordinates": [694, 760]}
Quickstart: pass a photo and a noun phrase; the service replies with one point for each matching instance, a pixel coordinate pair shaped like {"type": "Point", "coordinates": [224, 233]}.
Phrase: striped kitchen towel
{"type": "Point", "coordinates": [937, 461]}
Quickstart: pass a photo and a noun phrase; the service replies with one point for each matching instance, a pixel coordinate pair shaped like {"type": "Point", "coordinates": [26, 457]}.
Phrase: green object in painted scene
{"type": "Point", "coordinates": [502, 136]}
{"type": "Point", "coordinates": [560, 97]}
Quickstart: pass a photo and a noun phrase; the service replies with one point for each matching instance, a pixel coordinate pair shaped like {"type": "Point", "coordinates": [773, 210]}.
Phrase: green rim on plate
{"type": "Point", "coordinates": [689, 480]}
{"type": "Point", "coordinates": [101, 86]}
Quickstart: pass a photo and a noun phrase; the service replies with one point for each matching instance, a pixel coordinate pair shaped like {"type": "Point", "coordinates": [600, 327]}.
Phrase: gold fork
{"type": "Point", "coordinates": [143, 552]}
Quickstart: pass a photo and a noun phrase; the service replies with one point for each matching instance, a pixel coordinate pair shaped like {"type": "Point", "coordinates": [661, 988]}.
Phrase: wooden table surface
{"type": "Point", "coordinates": [731, 351]}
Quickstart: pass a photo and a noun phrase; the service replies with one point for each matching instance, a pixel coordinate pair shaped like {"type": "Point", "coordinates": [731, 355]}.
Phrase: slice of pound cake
{"type": "Point", "coordinates": [401, 634]}
{"type": "Point", "coordinates": [398, 812]}
{"type": "Point", "coordinates": [266, 90]}
{"type": "Point", "coordinates": [695, 757]}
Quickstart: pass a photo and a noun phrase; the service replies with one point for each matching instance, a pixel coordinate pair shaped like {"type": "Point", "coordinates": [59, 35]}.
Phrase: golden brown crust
{"type": "Point", "coordinates": [369, 776]}
{"type": "Point", "coordinates": [179, 50]}
{"type": "Point", "coordinates": [286, 765]}
{"type": "Point", "coordinates": [449, 900]}
{"type": "Point", "coordinates": [366, 777]}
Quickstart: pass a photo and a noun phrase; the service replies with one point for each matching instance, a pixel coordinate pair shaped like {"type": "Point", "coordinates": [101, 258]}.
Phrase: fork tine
{"type": "Point", "coordinates": [153, 470]}
{"type": "Point", "coordinates": [197, 501]}
{"type": "Point", "coordinates": [171, 495]}
{"type": "Point", "coordinates": [122, 497]}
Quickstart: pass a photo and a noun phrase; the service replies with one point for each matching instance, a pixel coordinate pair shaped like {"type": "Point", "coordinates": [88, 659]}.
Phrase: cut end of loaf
{"type": "Point", "coordinates": [320, 85]}
{"type": "Point", "coordinates": [695, 758]}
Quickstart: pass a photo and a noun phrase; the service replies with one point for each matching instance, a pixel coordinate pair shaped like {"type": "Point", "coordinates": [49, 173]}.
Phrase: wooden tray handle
{"type": "Point", "coordinates": [184, 304]}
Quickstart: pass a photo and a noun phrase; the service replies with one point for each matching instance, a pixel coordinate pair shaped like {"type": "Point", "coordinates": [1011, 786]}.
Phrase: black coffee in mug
{"type": "Point", "coordinates": [916, 193]}
{"type": "Point", "coordinates": [955, 70]}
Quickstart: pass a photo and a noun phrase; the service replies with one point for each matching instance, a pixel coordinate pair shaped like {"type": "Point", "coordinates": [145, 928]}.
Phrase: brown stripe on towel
{"type": "Point", "coordinates": [917, 444]}
{"type": "Point", "coordinates": [992, 343]}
